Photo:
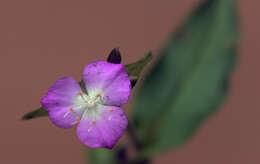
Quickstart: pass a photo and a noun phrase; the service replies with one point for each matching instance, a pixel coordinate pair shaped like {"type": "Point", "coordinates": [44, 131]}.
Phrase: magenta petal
{"type": "Point", "coordinates": [104, 132]}
{"type": "Point", "coordinates": [57, 117]}
{"type": "Point", "coordinates": [59, 100]}
{"type": "Point", "coordinates": [109, 79]}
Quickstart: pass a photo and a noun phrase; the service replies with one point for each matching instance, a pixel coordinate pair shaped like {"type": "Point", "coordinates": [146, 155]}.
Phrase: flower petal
{"type": "Point", "coordinates": [59, 102]}
{"type": "Point", "coordinates": [108, 79]}
{"type": "Point", "coordinates": [104, 132]}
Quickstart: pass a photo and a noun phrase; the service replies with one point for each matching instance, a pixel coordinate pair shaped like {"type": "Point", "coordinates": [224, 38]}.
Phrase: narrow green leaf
{"type": "Point", "coordinates": [36, 113]}
{"type": "Point", "coordinates": [134, 70]}
{"type": "Point", "coordinates": [190, 79]}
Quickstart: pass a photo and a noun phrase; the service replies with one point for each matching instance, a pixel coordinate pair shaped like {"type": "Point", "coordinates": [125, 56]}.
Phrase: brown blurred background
{"type": "Point", "coordinates": [43, 40]}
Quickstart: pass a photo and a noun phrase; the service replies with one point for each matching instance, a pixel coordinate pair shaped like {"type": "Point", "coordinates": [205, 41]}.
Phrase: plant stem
{"type": "Point", "coordinates": [137, 144]}
{"type": "Point", "coordinates": [131, 132]}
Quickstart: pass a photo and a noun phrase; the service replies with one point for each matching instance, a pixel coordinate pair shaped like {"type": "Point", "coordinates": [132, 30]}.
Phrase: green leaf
{"type": "Point", "coordinates": [36, 113]}
{"type": "Point", "coordinates": [134, 70]}
{"type": "Point", "coordinates": [190, 80]}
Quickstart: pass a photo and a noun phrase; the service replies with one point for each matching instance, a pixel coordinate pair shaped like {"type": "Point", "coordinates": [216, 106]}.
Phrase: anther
{"type": "Point", "coordinates": [80, 93]}
{"type": "Point", "coordinates": [99, 95]}
{"type": "Point", "coordinates": [111, 110]}
{"type": "Point", "coordinates": [94, 122]}
{"type": "Point", "coordinates": [78, 120]}
{"type": "Point", "coordinates": [70, 110]}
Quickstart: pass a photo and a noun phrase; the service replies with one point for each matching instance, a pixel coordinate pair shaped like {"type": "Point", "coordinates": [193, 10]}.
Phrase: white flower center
{"type": "Point", "coordinates": [86, 106]}
{"type": "Point", "coordinates": [90, 101]}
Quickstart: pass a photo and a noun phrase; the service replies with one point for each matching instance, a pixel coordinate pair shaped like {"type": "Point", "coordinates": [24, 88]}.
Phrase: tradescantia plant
{"type": "Point", "coordinates": [185, 86]}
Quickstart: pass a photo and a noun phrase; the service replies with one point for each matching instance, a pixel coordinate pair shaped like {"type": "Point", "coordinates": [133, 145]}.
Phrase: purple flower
{"type": "Point", "coordinates": [100, 121]}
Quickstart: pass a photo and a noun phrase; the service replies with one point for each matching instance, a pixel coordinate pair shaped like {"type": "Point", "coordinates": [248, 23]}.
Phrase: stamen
{"type": "Point", "coordinates": [97, 99]}
{"type": "Point", "coordinates": [109, 115]}
{"type": "Point", "coordinates": [76, 122]}
{"type": "Point", "coordinates": [80, 93]}
{"type": "Point", "coordinates": [93, 123]}
{"type": "Point", "coordinates": [66, 114]}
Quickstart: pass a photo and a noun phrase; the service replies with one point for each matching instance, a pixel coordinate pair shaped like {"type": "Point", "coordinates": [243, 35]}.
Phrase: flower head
{"type": "Point", "coordinates": [96, 111]}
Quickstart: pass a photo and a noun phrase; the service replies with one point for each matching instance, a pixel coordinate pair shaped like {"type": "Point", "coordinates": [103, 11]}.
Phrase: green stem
{"type": "Point", "coordinates": [137, 144]}
{"type": "Point", "coordinates": [133, 137]}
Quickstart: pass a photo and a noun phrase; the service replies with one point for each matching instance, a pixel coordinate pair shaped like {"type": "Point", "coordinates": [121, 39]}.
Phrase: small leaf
{"type": "Point", "coordinates": [190, 79]}
{"type": "Point", "coordinates": [114, 56]}
{"type": "Point", "coordinates": [133, 71]}
{"type": "Point", "coordinates": [36, 113]}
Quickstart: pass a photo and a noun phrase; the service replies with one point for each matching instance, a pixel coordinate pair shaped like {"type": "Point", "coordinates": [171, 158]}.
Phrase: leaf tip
{"type": "Point", "coordinates": [27, 116]}
{"type": "Point", "coordinates": [149, 54]}
{"type": "Point", "coordinates": [34, 114]}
